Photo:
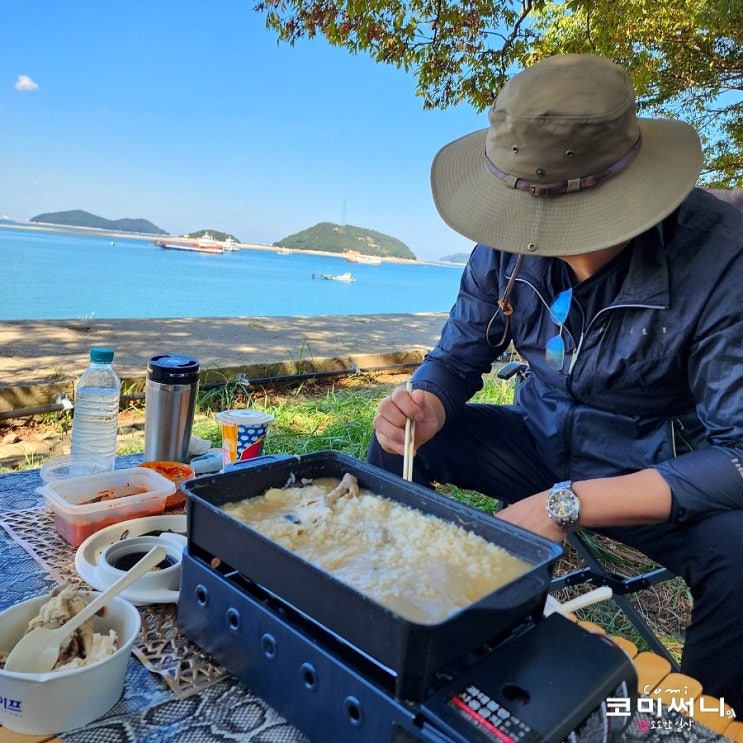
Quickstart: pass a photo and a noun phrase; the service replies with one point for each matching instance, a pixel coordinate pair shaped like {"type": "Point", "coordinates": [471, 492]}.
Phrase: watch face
{"type": "Point", "coordinates": [563, 507]}
{"type": "Point", "coordinates": [562, 504]}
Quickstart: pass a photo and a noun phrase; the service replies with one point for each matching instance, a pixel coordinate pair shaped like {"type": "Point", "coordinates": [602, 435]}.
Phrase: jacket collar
{"type": "Point", "coordinates": [647, 281]}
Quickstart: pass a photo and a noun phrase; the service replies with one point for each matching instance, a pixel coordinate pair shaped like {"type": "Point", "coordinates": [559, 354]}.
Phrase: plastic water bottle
{"type": "Point", "coordinates": [95, 421]}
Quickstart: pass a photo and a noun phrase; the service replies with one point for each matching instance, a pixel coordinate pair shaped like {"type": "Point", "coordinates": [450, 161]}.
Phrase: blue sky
{"type": "Point", "coordinates": [188, 113]}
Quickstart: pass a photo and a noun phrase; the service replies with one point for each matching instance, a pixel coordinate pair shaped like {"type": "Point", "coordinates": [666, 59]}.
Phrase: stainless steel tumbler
{"type": "Point", "coordinates": [170, 400]}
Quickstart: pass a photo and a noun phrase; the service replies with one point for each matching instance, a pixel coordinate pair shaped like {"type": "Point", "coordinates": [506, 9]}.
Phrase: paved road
{"type": "Point", "coordinates": [38, 357]}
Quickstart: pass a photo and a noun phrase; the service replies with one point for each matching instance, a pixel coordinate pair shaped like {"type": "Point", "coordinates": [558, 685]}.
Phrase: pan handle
{"type": "Point", "coordinates": [263, 459]}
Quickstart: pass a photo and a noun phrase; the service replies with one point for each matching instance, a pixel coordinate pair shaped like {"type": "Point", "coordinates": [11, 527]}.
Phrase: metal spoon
{"type": "Point", "coordinates": [37, 652]}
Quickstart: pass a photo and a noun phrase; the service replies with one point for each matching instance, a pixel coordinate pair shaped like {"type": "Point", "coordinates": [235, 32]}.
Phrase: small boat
{"type": "Point", "coordinates": [231, 245]}
{"type": "Point", "coordinates": [347, 277]}
{"type": "Point", "coordinates": [200, 246]}
{"type": "Point", "coordinates": [208, 242]}
{"type": "Point", "coordinates": [284, 251]}
{"type": "Point", "coordinates": [369, 260]}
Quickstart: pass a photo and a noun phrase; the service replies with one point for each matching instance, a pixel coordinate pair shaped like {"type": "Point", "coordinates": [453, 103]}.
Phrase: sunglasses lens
{"type": "Point", "coordinates": [560, 308]}
{"type": "Point", "coordinates": [559, 311]}
{"type": "Point", "coordinates": [555, 352]}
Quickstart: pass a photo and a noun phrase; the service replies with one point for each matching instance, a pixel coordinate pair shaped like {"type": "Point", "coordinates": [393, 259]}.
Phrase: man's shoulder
{"type": "Point", "coordinates": [703, 242]}
{"type": "Point", "coordinates": [733, 196]}
{"type": "Point", "coordinates": [705, 219]}
{"type": "Point", "coordinates": [711, 205]}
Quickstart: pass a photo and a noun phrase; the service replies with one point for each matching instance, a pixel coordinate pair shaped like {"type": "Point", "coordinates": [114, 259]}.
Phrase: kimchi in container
{"type": "Point", "coordinates": [84, 505]}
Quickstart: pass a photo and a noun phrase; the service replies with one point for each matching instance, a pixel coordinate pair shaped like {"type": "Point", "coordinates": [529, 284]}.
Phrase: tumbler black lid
{"type": "Point", "coordinates": [168, 369]}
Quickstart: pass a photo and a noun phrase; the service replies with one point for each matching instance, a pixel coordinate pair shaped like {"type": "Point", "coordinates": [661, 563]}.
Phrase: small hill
{"type": "Point", "coordinates": [455, 258]}
{"type": "Point", "coordinates": [335, 238]}
{"type": "Point", "coordinates": [216, 234]}
{"type": "Point", "coordinates": [79, 218]}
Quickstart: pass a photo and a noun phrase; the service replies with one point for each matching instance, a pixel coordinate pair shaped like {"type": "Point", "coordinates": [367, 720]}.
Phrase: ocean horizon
{"type": "Point", "coordinates": [66, 275]}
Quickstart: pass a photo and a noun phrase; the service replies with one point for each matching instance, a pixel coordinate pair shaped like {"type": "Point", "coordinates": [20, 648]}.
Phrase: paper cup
{"type": "Point", "coordinates": [243, 434]}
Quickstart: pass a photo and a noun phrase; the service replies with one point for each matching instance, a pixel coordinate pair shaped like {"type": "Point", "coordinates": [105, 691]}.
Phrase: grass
{"type": "Point", "coordinates": [318, 417]}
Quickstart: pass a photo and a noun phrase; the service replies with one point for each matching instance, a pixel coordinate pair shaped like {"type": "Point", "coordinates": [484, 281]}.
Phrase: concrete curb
{"type": "Point", "coordinates": [41, 360]}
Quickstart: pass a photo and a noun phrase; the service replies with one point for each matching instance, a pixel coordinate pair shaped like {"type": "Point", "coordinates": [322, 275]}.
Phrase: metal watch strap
{"type": "Point", "coordinates": [567, 524]}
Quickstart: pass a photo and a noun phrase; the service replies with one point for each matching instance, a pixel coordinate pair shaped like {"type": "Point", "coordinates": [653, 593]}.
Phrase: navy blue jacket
{"type": "Point", "coordinates": [657, 372]}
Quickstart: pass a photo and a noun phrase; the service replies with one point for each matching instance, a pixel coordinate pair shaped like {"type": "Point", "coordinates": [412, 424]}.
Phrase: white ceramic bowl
{"type": "Point", "coordinates": [51, 703]}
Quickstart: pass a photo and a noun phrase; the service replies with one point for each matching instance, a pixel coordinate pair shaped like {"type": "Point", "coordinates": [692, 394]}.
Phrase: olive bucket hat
{"type": "Point", "coordinates": [566, 166]}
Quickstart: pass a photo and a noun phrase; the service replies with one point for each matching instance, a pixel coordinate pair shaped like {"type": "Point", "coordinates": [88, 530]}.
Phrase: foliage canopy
{"type": "Point", "coordinates": [684, 56]}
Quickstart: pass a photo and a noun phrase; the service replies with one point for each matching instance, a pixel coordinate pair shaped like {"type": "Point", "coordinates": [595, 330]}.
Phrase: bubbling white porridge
{"type": "Point", "coordinates": [420, 566]}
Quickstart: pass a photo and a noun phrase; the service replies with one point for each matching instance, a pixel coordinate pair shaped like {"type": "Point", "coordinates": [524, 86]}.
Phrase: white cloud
{"type": "Point", "coordinates": [24, 83]}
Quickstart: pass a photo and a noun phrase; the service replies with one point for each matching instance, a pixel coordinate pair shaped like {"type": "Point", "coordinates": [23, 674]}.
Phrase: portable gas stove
{"type": "Point", "coordinates": [341, 667]}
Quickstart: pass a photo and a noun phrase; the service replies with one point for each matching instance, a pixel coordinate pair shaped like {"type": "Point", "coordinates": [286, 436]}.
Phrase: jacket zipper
{"type": "Point", "coordinates": [601, 312]}
{"type": "Point", "coordinates": [677, 428]}
{"type": "Point", "coordinates": [584, 331]}
{"type": "Point", "coordinates": [578, 348]}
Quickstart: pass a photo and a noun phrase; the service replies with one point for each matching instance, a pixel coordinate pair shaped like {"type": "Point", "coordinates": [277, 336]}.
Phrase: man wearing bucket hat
{"type": "Point", "coordinates": [619, 284]}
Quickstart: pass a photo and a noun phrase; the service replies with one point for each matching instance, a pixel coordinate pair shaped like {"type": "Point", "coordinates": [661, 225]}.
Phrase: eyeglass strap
{"type": "Point", "coordinates": [505, 301]}
{"type": "Point", "coordinates": [504, 305]}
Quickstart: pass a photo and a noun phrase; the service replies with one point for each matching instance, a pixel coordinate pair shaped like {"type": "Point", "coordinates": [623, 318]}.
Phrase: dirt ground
{"type": "Point", "coordinates": [26, 443]}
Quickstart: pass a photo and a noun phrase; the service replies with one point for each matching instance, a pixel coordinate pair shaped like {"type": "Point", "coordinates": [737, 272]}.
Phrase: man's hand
{"type": "Point", "coordinates": [530, 513]}
{"type": "Point", "coordinates": [421, 406]}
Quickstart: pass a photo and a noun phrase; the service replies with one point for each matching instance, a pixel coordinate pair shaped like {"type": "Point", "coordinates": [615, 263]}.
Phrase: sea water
{"type": "Point", "coordinates": [57, 276]}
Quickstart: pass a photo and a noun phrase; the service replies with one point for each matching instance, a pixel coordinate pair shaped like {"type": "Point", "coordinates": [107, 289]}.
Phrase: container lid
{"type": "Point", "coordinates": [175, 471]}
{"type": "Point", "coordinates": [101, 355]}
{"type": "Point", "coordinates": [73, 465]}
{"type": "Point", "coordinates": [106, 491]}
{"type": "Point", "coordinates": [244, 417]}
{"type": "Point", "coordinates": [168, 369]}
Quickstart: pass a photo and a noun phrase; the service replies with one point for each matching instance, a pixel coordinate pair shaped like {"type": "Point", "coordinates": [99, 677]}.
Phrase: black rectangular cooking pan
{"type": "Point", "coordinates": [412, 653]}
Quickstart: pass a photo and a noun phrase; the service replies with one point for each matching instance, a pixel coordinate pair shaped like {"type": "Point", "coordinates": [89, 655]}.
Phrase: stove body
{"type": "Point", "coordinates": [342, 667]}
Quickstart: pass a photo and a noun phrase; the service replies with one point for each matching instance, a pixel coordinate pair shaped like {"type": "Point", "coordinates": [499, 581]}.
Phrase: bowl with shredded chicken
{"type": "Point", "coordinates": [89, 675]}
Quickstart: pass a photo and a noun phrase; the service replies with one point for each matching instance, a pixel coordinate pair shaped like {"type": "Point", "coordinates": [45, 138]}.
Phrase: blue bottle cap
{"type": "Point", "coordinates": [101, 355]}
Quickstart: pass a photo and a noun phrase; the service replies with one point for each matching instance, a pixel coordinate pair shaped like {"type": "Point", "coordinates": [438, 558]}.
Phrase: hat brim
{"type": "Point", "coordinates": [480, 206]}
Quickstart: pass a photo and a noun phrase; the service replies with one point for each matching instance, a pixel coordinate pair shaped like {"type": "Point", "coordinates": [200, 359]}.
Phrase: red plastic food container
{"type": "Point", "coordinates": [176, 472]}
{"type": "Point", "coordinates": [84, 505]}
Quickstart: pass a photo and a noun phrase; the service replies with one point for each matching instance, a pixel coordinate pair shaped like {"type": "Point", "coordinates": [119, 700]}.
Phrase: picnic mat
{"type": "Point", "coordinates": [200, 700]}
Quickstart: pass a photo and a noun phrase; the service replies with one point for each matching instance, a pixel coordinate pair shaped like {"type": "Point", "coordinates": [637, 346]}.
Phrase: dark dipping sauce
{"type": "Point", "coordinates": [126, 562]}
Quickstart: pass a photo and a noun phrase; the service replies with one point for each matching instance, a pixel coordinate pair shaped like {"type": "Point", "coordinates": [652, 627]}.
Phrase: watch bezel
{"type": "Point", "coordinates": [566, 519]}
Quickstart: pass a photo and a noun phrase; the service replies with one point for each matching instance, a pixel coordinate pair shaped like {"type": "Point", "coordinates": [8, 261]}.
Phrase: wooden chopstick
{"type": "Point", "coordinates": [407, 463]}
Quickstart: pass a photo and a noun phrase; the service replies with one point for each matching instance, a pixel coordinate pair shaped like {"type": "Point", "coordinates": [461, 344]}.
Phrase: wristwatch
{"type": "Point", "coordinates": [563, 506]}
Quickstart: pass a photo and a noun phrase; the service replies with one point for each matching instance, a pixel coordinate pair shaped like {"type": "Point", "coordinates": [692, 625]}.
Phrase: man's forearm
{"type": "Point", "coordinates": [639, 498]}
